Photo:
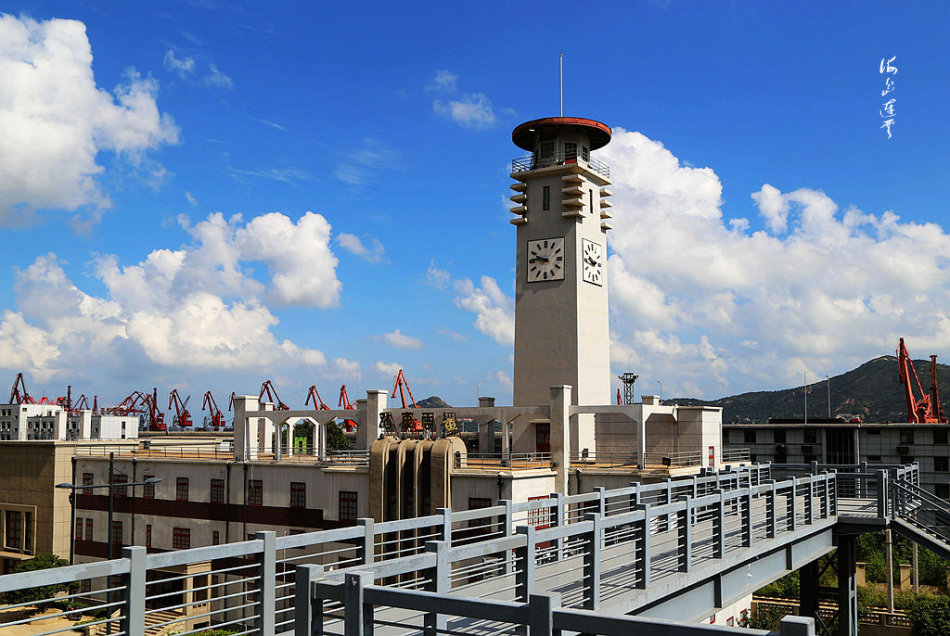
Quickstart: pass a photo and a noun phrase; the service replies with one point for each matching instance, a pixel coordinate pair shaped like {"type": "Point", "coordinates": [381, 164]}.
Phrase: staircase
{"type": "Point", "coordinates": [920, 516]}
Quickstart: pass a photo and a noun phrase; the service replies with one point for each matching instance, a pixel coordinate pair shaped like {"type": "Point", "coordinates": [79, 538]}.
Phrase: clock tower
{"type": "Point", "coordinates": [562, 334]}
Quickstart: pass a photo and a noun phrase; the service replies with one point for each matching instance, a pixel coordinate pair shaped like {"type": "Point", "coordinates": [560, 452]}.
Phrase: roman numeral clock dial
{"type": "Point", "coordinates": [593, 262]}
{"type": "Point", "coordinates": [546, 260]}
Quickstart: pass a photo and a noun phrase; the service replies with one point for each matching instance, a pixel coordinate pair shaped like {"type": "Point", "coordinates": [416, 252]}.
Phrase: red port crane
{"type": "Point", "coordinates": [216, 418]}
{"type": "Point", "coordinates": [935, 391]}
{"type": "Point", "coordinates": [344, 401]}
{"type": "Point", "coordinates": [409, 423]}
{"type": "Point", "coordinates": [314, 395]}
{"type": "Point", "coordinates": [268, 389]}
{"type": "Point", "coordinates": [18, 393]}
{"type": "Point", "coordinates": [156, 419]}
{"type": "Point", "coordinates": [919, 410]}
{"type": "Point", "coordinates": [82, 403]}
{"type": "Point", "coordinates": [182, 416]}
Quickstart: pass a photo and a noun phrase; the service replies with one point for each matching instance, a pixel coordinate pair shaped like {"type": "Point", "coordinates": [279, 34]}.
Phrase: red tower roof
{"type": "Point", "coordinates": [525, 136]}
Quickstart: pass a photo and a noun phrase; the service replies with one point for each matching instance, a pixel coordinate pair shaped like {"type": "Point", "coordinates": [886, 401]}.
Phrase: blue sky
{"type": "Point", "coordinates": [203, 195]}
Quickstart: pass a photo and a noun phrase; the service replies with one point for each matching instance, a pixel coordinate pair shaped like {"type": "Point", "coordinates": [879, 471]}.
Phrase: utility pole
{"type": "Point", "coordinates": [828, 384]}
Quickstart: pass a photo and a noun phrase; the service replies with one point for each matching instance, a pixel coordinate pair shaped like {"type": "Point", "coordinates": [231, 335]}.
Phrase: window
{"type": "Point", "coordinates": [907, 436]}
{"type": "Point", "coordinates": [78, 529]}
{"type": "Point", "coordinates": [148, 490]}
{"type": "Point", "coordinates": [217, 491]}
{"type": "Point", "coordinates": [748, 437]}
{"type": "Point", "coordinates": [874, 431]}
{"type": "Point", "coordinates": [547, 149]}
{"type": "Point", "coordinates": [539, 517]}
{"type": "Point", "coordinates": [215, 538]}
{"type": "Point", "coordinates": [941, 464]}
{"type": "Point", "coordinates": [298, 494]}
{"type": "Point", "coordinates": [181, 538]}
{"type": "Point", "coordinates": [811, 436]}
{"type": "Point", "coordinates": [87, 481]}
{"type": "Point", "coordinates": [88, 529]}
{"type": "Point", "coordinates": [181, 489]}
{"type": "Point", "coordinates": [781, 457]}
{"type": "Point", "coordinates": [546, 198]}
{"type": "Point", "coordinates": [349, 508]}
{"type": "Point", "coordinates": [85, 585]}
{"type": "Point", "coordinates": [120, 491]}
{"type": "Point", "coordinates": [570, 152]}
{"type": "Point", "coordinates": [942, 490]}
{"type": "Point", "coordinates": [779, 436]}
{"type": "Point", "coordinates": [940, 436]}
{"type": "Point", "coordinates": [874, 458]}
{"type": "Point", "coordinates": [907, 459]}
{"type": "Point", "coordinates": [117, 532]}
{"type": "Point", "coordinates": [255, 492]}
{"type": "Point", "coordinates": [13, 537]}
{"type": "Point", "coordinates": [148, 535]}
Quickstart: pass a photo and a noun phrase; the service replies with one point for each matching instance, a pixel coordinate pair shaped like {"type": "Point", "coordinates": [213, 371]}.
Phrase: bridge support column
{"type": "Point", "coordinates": [809, 589]}
{"type": "Point", "coordinates": [847, 586]}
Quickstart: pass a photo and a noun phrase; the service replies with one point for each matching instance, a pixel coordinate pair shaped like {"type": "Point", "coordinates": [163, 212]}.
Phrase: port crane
{"type": "Point", "coordinates": [409, 423]}
{"type": "Point", "coordinates": [314, 396]}
{"type": "Point", "coordinates": [18, 393]}
{"type": "Point", "coordinates": [927, 408]}
{"type": "Point", "coordinates": [344, 401]}
{"type": "Point", "coordinates": [215, 418]}
{"type": "Point", "coordinates": [268, 389]}
{"type": "Point", "coordinates": [156, 419]}
{"type": "Point", "coordinates": [182, 416]}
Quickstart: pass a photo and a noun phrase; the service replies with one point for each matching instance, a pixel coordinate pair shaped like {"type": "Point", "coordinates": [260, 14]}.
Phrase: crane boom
{"type": "Point", "coordinates": [919, 411]}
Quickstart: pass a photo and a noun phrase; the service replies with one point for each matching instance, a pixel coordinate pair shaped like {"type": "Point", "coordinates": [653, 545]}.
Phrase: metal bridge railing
{"type": "Point", "coordinates": [536, 162]}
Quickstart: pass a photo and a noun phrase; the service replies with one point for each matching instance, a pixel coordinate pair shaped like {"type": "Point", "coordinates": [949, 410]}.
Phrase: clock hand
{"type": "Point", "coordinates": [538, 258]}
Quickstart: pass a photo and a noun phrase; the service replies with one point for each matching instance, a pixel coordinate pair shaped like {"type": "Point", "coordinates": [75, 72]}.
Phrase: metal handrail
{"type": "Point", "coordinates": [559, 158]}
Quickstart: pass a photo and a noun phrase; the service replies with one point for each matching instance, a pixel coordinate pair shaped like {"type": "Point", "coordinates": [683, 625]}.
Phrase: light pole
{"type": "Point", "coordinates": [661, 389]}
{"type": "Point", "coordinates": [111, 486]}
{"type": "Point", "coordinates": [828, 384]}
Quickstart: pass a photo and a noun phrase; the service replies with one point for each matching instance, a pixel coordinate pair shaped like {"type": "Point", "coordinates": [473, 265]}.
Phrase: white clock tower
{"type": "Point", "coordinates": [562, 334]}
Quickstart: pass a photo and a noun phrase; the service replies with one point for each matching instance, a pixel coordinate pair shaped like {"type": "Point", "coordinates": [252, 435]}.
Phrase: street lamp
{"type": "Point", "coordinates": [661, 389]}
{"type": "Point", "coordinates": [111, 486]}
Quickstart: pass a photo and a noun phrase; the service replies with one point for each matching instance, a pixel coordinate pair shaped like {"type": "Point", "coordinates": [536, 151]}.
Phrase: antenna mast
{"type": "Point", "coordinates": [561, 59]}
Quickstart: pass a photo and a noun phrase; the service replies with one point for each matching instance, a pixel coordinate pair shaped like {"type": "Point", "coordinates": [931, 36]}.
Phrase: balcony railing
{"type": "Point", "coordinates": [536, 162]}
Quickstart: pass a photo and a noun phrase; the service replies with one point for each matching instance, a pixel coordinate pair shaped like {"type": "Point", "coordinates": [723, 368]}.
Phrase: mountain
{"type": "Point", "coordinates": [433, 402]}
{"type": "Point", "coordinates": [872, 392]}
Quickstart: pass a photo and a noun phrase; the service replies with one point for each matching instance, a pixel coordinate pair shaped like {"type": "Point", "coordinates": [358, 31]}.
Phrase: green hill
{"type": "Point", "coordinates": [872, 392]}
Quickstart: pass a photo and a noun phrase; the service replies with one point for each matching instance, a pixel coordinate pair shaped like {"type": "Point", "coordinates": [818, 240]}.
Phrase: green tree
{"type": "Point", "coordinates": [336, 439]}
{"type": "Point", "coordinates": [42, 561]}
{"type": "Point", "coordinates": [930, 615]}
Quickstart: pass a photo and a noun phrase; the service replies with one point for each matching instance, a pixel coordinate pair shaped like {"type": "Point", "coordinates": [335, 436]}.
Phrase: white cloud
{"type": "Point", "coordinates": [190, 198]}
{"type": "Point", "coordinates": [196, 307]}
{"type": "Point", "coordinates": [700, 300]}
{"type": "Point", "coordinates": [389, 368]}
{"type": "Point", "coordinates": [438, 278]}
{"type": "Point", "coordinates": [454, 335]}
{"type": "Point", "coordinates": [54, 120]}
{"type": "Point", "coordinates": [445, 82]}
{"type": "Point", "coordinates": [217, 79]}
{"type": "Point", "coordinates": [347, 368]}
{"type": "Point", "coordinates": [353, 244]}
{"type": "Point", "coordinates": [470, 111]}
{"type": "Point", "coordinates": [183, 68]}
{"type": "Point", "coordinates": [495, 312]}
{"type": "Point", "coordinates": [398, 340]}
{"type": "Point", "coordinates": [504, 380]}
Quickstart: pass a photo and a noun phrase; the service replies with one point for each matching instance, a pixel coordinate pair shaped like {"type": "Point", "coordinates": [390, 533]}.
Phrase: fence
{"type": "Point", "coordinates": [587, 547]}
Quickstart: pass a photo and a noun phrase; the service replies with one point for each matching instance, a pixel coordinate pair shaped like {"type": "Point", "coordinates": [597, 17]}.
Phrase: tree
{"type": "Point", "coordinates": [336, 439]}
{"type": "Point", "coordinates": [42, 561]}
{"type": "Point", "coordinates": [930, 615]}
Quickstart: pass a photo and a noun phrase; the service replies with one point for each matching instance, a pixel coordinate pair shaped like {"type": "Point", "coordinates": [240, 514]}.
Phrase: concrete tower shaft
{"type": "Point", "coordinates": [561, 320]}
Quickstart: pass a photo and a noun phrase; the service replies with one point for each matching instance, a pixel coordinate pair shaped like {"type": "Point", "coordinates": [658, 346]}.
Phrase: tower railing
{"type": "Point", "coordinates": [536, 162]}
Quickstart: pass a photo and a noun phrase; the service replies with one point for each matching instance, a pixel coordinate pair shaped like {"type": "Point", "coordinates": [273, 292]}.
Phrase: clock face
{"type": "Point", "coordinates": [593, 262]}
{"type": "Point", "coordinates": [546, 260]}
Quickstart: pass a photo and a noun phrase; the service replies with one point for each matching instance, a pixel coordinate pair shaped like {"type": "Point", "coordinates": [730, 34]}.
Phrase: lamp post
{"type": "Point", "coordinates": [111, 486]}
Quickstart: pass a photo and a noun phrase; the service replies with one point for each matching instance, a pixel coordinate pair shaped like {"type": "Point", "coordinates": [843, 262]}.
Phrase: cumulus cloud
{"type": "Point", "coordinates": [55, 120]}
{"type": "Point", "coordinates": [469, 110]}
{"type": "Point", "coordinates": [398, 340]}
{"type": "Point", "coordinates": [494, 310]}
{"type": "Point", "coordinates": [438, 278]}
{"type": "Point", "coordinates": [197, 307]}
{"type": "Point", "coordinates": [389, 368]}
{"type": "Point", "coordinates": [374, 253]}
{"type": "Point", "coordinates": [705, 301]}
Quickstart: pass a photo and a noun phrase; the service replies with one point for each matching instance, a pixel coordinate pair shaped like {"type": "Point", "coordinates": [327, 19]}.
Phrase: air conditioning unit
{"type": "Point", "coordinates": [903, 450]}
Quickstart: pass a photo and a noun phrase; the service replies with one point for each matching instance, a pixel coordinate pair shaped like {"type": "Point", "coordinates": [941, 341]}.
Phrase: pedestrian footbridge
{"type": "Point", "coordinates": [645, 559]}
